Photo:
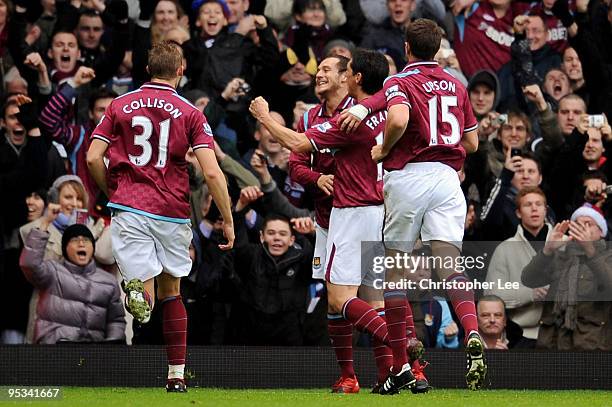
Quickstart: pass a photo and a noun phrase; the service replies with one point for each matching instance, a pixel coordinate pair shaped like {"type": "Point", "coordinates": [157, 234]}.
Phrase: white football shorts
{"type": "Point", "coordinates": [348, 262]}
{"type": "Point", "coordinates": [320, 252]}
{"type": "Point", "coordinates": [423, 200]}
{"type": "Point", "coordinates": [144, 247]}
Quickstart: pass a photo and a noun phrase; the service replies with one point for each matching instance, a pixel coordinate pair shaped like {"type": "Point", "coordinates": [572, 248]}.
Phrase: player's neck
{"type": "Point", "coordinates": [332, 100]}
{"type": "Point", "coordinates": [360, 95]}
{"type": "Point", "coordinates": [169, 82]}
{"type": "Point", "coordinates": [413, 60]}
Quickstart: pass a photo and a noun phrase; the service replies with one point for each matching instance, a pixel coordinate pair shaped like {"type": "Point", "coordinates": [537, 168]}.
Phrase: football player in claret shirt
{"type": "Point", "coordinates": [429, 129]}
{"type": "Point", "coordinates": [356, 217]}
{"type": "Point", "coordinates": [147, 133]}
{"type": "Point", "coordinates": [315, 169]}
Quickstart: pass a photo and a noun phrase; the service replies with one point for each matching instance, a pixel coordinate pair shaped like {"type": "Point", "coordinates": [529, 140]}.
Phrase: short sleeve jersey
{"type": "Point", "coordinates": [149, 132]}
{"type": "Point", "coordinates": [358, 179]}
{"type": "Point", "coordinates": [440, 113]}
{"type": "Point", "coordinates": [317, 162]}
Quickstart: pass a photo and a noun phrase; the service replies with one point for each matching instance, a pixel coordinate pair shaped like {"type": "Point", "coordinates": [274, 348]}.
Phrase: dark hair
{"type": "Point", "coordinates": [300, 6]}
{"type": "Point", "coordinates": [423, 36]}
{"type": "Point", "coordinates": [165, 58]}
{"type": "Point", "coordinates": [7, 103]}
{"type": "Point", "coordinates": [373, 67]}
{"type": "Point", "coordinates": [524, 118]}
{"type": "Point", "coordinates": [594, 175]}
{"type": "Point", "coordinates": [530, 156]}
{"type": "Point", "coordinates": [528, 190]}
{"type": "Point", "coordinates": [101, 93]}
{"type": "Point", "coordinates": [89, 12]}
{"type": "Point", "coordinates": [62, 30]}
{"type": "Point", "coordinates": [41, 192]}
{"type": "Point", "coordinates": [342, 63]}
{"type": "Point", "coordinates": [273, 217]}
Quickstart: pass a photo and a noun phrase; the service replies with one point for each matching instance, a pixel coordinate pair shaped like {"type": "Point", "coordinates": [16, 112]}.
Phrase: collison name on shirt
{"type": "Point", "coordinates": [152, 102]}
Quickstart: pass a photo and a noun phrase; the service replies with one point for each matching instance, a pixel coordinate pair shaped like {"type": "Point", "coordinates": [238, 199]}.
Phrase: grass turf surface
{"type": "Point", "coordinates": [149, 397]}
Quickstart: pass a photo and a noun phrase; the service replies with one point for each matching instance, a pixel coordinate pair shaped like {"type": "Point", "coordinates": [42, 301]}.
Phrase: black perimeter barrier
{"type": "Point", "coordinates": [277, 367]}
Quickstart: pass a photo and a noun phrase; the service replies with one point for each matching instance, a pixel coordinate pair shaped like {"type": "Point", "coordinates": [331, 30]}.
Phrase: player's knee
{"type": "Point", "coordinates": [169, 289]}
{"type": "Point", "coordinates": [334, 305]}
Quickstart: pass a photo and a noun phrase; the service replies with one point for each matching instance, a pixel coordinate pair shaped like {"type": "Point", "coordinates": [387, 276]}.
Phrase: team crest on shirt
{"type": "Point", "coordinates": [323, 127]}
{"type": "Point", "coordinates": [207, 129]}
{"type": "Point", "coordinates": [316, 262]}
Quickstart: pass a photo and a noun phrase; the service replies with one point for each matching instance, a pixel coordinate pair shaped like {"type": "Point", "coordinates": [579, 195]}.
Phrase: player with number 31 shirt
{"type": "Point", "coordinates": [147, 134]}
{"type": "Point", "coordinates": [164, 126]}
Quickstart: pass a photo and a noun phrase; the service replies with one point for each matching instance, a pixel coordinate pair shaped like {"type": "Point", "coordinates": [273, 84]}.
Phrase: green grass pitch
{"type": "Point", "coordinates": [152, 397]}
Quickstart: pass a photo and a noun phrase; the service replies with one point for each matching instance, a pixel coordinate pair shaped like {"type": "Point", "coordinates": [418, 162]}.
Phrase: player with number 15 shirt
{"type": "Point", "coordinates": [147, 129]}
{"type": "Point", "coordinates": [440, 113]}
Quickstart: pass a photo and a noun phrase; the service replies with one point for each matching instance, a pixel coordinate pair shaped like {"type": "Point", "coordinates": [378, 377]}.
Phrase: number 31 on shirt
{"type": "Point", "coordinates": [142, 140]}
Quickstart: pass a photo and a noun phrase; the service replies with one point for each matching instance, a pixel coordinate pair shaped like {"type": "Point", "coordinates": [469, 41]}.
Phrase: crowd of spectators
{"type": "Point", "coordinates": [539, 76]}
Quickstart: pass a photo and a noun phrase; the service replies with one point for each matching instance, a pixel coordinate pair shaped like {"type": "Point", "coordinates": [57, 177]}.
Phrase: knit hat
{"type": "Point", "coordinates": [196, 4]}
{"type": "Point", "coordinates": [75, 230]}
{"type": "Point", "coordinates": [484, 77]}
{"type": "Point", "coordinates": [57, 184]}
{"type": "Point", "coordinates": [594, 213]}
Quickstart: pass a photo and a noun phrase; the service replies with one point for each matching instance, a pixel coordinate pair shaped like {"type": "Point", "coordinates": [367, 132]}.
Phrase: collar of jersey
{"type": "Point", "coordinates": [158, 85]}
{"type": "Point", "coordinates": [346, 102]}
{"type": "Point", "coordinates": [418, 63]}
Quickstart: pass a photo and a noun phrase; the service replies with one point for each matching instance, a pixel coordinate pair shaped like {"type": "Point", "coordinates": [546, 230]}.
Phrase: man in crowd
{"type": "Point", "coordinates": [513, 254]}
{"type": "Point", "coordinates": [498, 332]}
{"type": "Point", "coordinates": [577, 264]}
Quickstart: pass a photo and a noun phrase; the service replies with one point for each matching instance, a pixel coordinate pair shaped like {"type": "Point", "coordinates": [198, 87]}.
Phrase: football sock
{"type": "Point", "coordinates": [410, 330]}
{"type": "Point", "coordinates": [396, 305]}
{"type": "Point", "coordinates": [382, 354]}
{"type": "Point", "coordinates": [463, 303]}
{"type": "Point", "coordinates": [341, 335]}
{"type": "Point", "coordinates": [175, 334]}
{"type": "Point", "coordinates": [364, 318]}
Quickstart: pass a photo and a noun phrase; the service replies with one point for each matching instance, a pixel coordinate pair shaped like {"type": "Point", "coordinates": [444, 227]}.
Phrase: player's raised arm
{"type": "Point", "coordinates": [294, 141]}
{"type": "Point", "coordinates": [215, 179]}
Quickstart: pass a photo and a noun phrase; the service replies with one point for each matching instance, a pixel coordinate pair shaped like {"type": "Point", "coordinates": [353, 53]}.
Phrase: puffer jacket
{"type": "Point", "coordinates": [76, 303]}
